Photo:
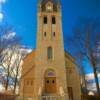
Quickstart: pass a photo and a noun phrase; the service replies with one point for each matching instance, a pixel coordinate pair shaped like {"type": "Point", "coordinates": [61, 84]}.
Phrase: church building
{"type": "Point", "coordinates": [48, 72]}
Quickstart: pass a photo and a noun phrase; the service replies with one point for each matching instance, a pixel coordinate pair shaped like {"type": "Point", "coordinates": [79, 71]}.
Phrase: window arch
{"type": "Point", "coordinates": [45, 20]}
{"type": "Point", "coordinates": [50, 53]}
{"type": "Point", "coordinates": [53, 20]}
{"type": "Point", "coordinates": [54, 34]}
{"type": "Point", "coordinates": [45, 34]}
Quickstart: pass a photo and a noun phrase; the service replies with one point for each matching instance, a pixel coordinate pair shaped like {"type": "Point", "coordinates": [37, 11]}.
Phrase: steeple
{"type": "Point", "coordinates": [50, 49]}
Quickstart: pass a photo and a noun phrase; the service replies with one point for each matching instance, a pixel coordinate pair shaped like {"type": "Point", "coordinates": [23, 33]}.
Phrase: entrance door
{"type": "Point", "coordinates": [50, 82]}
{"type": "Point", "coordinates": [50, 85]}
{"type": "Point", "coordinates": [70, 92]}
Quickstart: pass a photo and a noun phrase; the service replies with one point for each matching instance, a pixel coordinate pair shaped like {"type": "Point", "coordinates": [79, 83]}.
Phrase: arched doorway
{"type": "Point", "coordinates": [50, 81]}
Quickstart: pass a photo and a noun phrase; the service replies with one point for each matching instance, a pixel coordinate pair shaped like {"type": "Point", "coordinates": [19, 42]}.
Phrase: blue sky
{"type": "Point", "coordinates": [22, 14]}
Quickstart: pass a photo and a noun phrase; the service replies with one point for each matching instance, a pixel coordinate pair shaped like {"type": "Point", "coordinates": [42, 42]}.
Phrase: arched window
{"type": "Point", "coordinates": [54, 34]}
{"type": "Point", "coordinates": [45, 34]}
{"type": "Point", "coordinates": [45, 20]}
{"type": "Point", "coordinates": [50, 53]}
{"type": "Point", "coordinates": [31, 82]}
{"type": "Point", "coordinates": [53, 20]}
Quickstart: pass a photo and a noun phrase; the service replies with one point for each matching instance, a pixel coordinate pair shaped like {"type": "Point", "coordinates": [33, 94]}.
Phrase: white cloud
{"type": "Point", "coordinates": [9, 35]}
{"type": "Point", "coordinates": [91, 76]}
{"type": "Point", "coordinates": [1, 16]}
{"type": "Point", "coordinates": [2, 1]}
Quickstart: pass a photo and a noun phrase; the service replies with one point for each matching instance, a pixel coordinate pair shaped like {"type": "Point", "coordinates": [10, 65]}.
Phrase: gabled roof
{"type": "Point", "coordinates": [69, 56]}
{"type": "Point", "coordinates": [29, 56]}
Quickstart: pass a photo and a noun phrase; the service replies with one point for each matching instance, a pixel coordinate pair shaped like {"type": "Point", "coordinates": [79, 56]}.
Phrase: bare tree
{"type": "Point", "coordinates": [97, 53]}
{"type": "Point", "coordinates": [8, 48]}
{"type": "Point", "coordinates": [83, 41]}
{"type": "Point", "coordinates": [12, 65]}
{"type": "Point", "coordinates": [17, 69]}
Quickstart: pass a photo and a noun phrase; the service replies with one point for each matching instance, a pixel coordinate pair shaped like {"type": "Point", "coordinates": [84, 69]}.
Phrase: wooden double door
{"type": "Point", "coordinates": [50, 85]}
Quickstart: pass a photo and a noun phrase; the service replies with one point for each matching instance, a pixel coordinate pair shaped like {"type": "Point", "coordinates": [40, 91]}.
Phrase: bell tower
{"type": "Point", "coordinates": [45, 75]}
{"type": "Point", "coordinates": [49, 21]}
{"type": "Point", "coordinates": [50, 72]}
